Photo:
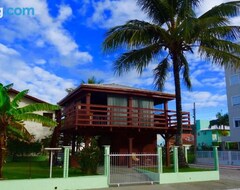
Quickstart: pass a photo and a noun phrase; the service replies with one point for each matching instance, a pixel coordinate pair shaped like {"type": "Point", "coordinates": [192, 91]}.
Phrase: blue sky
{"type": "Point", "coordinates": [60, 45]}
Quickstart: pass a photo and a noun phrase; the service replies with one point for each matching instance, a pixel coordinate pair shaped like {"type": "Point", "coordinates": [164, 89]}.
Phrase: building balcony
{"type": "Point", "coordinates": [105, 116]}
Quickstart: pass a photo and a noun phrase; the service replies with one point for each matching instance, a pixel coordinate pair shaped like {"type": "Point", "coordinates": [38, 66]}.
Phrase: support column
{"type": "Point", "coordinates": [87, 140]}
{"type": "Point", "coordinates": [130, 149]}
{"type": "Point", "coordinates": [186, 148]}
{"type": "Point", "coordinates": [88, 102]}
{"type": "Point", "coordinates": [73, 143]}
{"type": "Point", "coordinates": [175, 159]}
{"type": "Point", "coordinates": [166, 113]}
{"type": "Point", "coordinates": [130, 110]}
{"type": "Point", "coordinates": [216, 161]}
{"type": "Point", "coordinates": [167, 150]}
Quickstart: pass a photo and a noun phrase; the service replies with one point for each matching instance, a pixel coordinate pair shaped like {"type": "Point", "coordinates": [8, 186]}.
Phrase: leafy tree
{"type": "Point", "coordinates": [173, 31]}
{"type": "Point", "coordinates": [222, 120]}
{"type": "Point", "coordinates": [89, 158]}
{"type": "Point", "coordinates": [12, 117]}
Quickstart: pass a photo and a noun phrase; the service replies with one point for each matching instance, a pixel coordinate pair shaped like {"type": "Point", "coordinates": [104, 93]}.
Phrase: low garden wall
{"type": "Point", "coordinates": [183, 177]}
{"type": "Point", "coordinates": [72, 183]}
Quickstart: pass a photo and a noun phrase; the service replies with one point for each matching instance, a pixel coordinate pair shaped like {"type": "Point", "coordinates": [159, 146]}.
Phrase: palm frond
{"type": "Point", "coordinates": [221, 45]}
{"type": "Point", "coordinates": [219, 57]}
{"type": "Point", "coordinates": [37, 107]}
{"type": "Point", "coordinates": [189, 34]}
{"type": "Point", "coordinates": [36, 118]}
{"type": "Point", "coordinates": [4, 99]}
{"type": "Point", "coordinates": [161, 73]}
{"type": "Point", "coordinates": [225, 32]}
{"type": "Point", "coordinates": [159, 11]}
{"type": "Point", "coordinates": [186, 8]}
{"type": "Point", "coordinates": [133, 35]}
{"type": "Point", "coordinates": [17, 98]}
{"type": "Point", "coordinates": [136, 59]}
{"type": "Point", "coordinates": [18, 133]}
{"type": "Point", "coordinates": [9, 86]}
{"type": "Point", "coordinates": [229, 9]}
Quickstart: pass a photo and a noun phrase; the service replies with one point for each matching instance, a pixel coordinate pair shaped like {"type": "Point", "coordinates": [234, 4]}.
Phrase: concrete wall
{"type": "Point", "coordinates": [204, 138]}
{"type": "Point", "coordinates": [73, 183]}
{"type": "Point", "coordinates": [166, 178]}
{"type": "Point", "coordinates": [233, 111]}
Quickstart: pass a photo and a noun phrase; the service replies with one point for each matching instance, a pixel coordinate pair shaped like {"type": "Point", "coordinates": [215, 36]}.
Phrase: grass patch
{"type": "Point", "coordinates": [31, 170]}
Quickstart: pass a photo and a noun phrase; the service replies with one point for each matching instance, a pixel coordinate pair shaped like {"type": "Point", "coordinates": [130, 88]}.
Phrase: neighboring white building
{"type": "Point", "coordinates": [36, 129]}
{"type": "Point", "coordinates": [233, 97]}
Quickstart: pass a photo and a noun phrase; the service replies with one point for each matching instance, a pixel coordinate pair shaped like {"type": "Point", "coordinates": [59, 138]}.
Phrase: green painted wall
{"type": "Point", "coordinates": [204, 138]}
{"type": "Point", "coordinates": [72, 183]}
{"type": "Point", "coordinates": [166, 178]}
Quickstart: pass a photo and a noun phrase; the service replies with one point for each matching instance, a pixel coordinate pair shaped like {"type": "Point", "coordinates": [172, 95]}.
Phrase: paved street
{"type": "Point", "coordinates": [229, 180]}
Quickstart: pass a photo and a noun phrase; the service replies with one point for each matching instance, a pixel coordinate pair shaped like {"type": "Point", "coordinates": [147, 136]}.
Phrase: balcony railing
{"type": "Point", "coordinates": [121, 116]}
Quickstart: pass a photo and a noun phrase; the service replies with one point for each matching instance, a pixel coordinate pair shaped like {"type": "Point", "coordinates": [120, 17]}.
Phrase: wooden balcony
{"type": "Point", "coordinates": [83, 115]}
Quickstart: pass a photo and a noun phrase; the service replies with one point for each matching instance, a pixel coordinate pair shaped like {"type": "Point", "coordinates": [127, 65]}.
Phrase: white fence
{"type": "Point", "coordinates": [225, 157]}
{"type": "Point", "coordinates": [133, 169]}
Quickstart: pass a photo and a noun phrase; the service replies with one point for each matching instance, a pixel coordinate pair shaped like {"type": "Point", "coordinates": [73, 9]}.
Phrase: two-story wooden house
{"type": "Point", "coordinates": [126, 118]}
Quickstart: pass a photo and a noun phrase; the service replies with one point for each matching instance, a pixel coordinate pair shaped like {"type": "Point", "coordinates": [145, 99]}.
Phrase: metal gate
{"type": "Point", "coordinates": [133, 169]}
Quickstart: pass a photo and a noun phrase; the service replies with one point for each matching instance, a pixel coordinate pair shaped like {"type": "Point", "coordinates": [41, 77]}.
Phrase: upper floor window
{"type": "Point", "coordinates": [235, 79]}
{"type": "Point", "coordinates": [48, 115]}
{"type": "Point", "coordinates": [235, 100]}
{"type": "Point", "coordinates": [237, 122]}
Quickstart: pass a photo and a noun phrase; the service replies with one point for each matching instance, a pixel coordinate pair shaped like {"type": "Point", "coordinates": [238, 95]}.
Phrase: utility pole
{"type": "Point", "coordinates": [195, 130]}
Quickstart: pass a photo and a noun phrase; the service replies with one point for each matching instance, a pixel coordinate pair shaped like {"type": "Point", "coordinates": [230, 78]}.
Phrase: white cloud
{"type": "Point", "coordinates": [7, 51]}
{"type": "Point", "coordinates": [64, 13]}
{"type": "Point", "coordinates": [109, 13]}
{"type": "Point", "coordinates": [203, 99]}
{"type": "Point", "coordinates": [45, 29]}
{"type": "Point", "coordinates": [40, 61]}
{"type": "Point", "coordinates": [41, 83]}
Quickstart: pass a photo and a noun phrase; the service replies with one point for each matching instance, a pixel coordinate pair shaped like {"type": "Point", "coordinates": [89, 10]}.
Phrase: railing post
{"type": "Point", "coordinates": [175, 158]}
{"type": "Point", "coordinates": [66, 161]}
{"type": "Point", "coordinates": [216, 161]}
{"type": "Point", "coordinates": [107, 161]}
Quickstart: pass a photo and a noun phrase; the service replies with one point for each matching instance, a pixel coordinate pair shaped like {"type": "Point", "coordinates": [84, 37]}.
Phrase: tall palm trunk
{"type": "Point", "coordinates": [176, 70]}
{"type": "Point", "coordinates": [2, 148]}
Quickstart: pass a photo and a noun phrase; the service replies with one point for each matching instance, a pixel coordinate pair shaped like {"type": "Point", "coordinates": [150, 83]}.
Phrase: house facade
{"type": "Point", "coordinates": [207, 137]}
{"type": "Point", "coordinates": [36, 129]}
{"type": "Point", "coordinates": [126, 118]}
{"type": "Point", "coordinates": [233, 98]}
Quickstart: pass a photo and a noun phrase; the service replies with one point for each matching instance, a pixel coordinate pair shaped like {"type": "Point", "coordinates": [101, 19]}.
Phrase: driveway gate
{"type": "Point", "coordinates": [133, 169]}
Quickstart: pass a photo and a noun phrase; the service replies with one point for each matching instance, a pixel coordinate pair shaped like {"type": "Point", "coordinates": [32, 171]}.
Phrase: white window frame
{"type": "Point", "coordinates": [234, 120]}
{"type": "Point", "coordinates": [237, 103]}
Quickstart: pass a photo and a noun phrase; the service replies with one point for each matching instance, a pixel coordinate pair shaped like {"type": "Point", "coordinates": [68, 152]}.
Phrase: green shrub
{"type": "Point", "coordinates": [89, 158]}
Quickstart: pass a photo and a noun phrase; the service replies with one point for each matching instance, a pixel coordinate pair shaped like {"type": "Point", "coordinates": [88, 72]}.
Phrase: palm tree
{"type": "Point", "coordinates": [92, 80]}
{"type": "Point", "coordinates": [175, 30]}
{"type": "Point", "coordinates": [12, 117]}
{"type": "Point", "coordinates": [222, 120]}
